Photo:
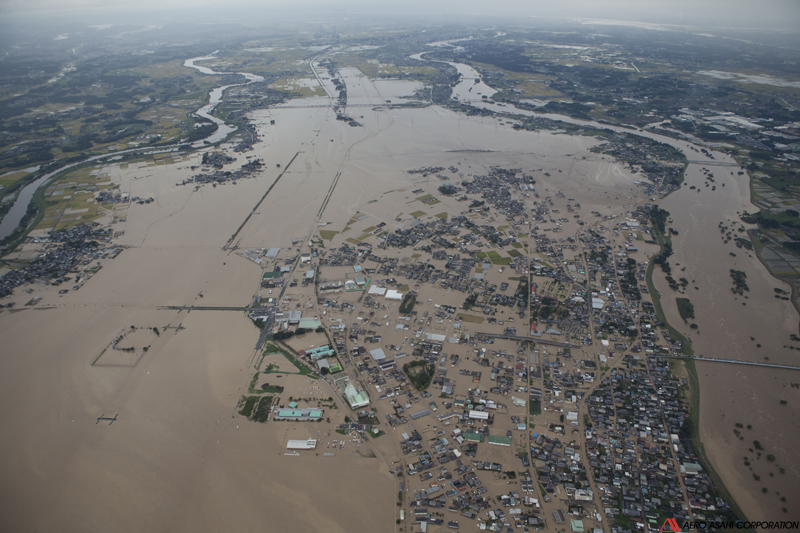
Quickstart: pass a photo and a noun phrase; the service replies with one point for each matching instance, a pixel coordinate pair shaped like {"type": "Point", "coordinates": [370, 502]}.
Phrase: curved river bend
{"type": "Point", "coordinates": [14, 216]}
{"type": "Point", "coordinates": [470, 89]}
{"type": "Point", "coordinates": [215, 97]}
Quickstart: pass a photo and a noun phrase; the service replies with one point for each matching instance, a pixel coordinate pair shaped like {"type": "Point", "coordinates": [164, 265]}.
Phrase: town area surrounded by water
{"type": "Point", "coordinates": [352, 210]}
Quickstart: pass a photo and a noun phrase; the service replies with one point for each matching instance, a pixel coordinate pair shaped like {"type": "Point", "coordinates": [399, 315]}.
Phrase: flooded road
{"type": "Point", "coordinates": [756, 326]}
{"type": "Point", "coordinates": [337, 174]}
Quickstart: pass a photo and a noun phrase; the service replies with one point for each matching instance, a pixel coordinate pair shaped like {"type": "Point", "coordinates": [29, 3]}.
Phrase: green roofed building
{"type": "Point", "coordinates": [473, 437]}
{"type": "Point", "coordinates": [317, 353]}
{"type": "Point", "coordinates": [309, 323]}
{"type": "Point", "coordinates": [692, 468]}
{"type": "Point", "coordinates": [500, 441]}
{"type": "Point", "coordinates": [299, 415]}
{"type": "Point", "coordinates": [270, 275]}
{"type": "Point", "coordinates": [357, 399]}
{"type": "Point", "coordinates": [354, 397]}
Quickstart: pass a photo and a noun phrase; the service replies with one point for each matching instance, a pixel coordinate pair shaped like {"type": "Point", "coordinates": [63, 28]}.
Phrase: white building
{"type": "Point", "coordinates": [309, 444]}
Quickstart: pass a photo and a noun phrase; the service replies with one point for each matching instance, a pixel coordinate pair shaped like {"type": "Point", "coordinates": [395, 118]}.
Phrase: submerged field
{"type": "Point", "coordinates": [180, 455]}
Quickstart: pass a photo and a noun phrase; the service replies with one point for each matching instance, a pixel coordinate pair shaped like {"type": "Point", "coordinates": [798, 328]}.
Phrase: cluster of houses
{"type": "Point", "coordinates": [635, 465]}
{"type": "Point", "coordinates": [640, 452]}
{"type": "Point", "coordinates": [607, 287]}
{"type": "Point", "coordinates": [435, 231]}
{"type": "Point", "coordinates": [219, 176]}
{"type": "Point", "coordinates": [248, 134]}
{"type": "Point", "coordinates": [67, 250]}
{"type": "Point", "coordinates": [346, 255]}
{"type": "Point", "coordinates": [114, 196]}
{"type": "Point", "coordinates": [455, 274]}
{"type": "Point", "coordinates": [562, 464]}
{"type": "Point", "coordinates": [663, 165]}
{"type": "Point", "coordinates": [705, 499]}
{"type": "Point", "coordinates": [457, 489]}
{"type": "Point", "coordinates": [759, 133]}
{"type": "Point", "coordinates": [495, 189]}
{"type": "Point", "coordinates": [614, 309]}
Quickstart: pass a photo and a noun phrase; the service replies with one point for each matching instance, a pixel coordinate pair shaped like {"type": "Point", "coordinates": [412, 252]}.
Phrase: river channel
{"type": "Point", "coordinates": [706, 259]}
{"type": "Point", "coordinates": [754, 326]}
{"type": "Point", "coordinates": [730, 325]}
{"type": "Point", "coordinates": [17, 211]}
{"type": "Point", "coordinates": [14, 216]}
{"type": "Point", "coordinates": [470, 89]}
{"type": "Point", "coordinates": [215, 97]}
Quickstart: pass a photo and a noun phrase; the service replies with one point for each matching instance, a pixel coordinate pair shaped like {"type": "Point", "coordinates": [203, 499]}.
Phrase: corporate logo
{"type": "Point", "coordinates": [670, 525]}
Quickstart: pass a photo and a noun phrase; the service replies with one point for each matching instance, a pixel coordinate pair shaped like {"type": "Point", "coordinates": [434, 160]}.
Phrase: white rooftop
{"type": "Point", "coordinates": [309, 444]}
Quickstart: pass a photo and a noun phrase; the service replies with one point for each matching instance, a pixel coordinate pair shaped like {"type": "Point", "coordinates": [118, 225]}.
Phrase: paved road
{"type": "Point", "coordinates": [210, 308]}
{"type": "Point", "coordinates": [267, 329]}
{"type": "Point", "coordinates": [713, 163]}
{"type": "Point", "coordinates": [528, 339]}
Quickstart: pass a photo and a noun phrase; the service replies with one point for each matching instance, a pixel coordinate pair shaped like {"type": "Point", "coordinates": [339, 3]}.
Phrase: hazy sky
{"type": "Point", "coordinates": [735, 13]}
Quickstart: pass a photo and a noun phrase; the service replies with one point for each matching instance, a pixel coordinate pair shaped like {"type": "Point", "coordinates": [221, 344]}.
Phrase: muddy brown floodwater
{"type": "Point", "coordinates": [179, 457]}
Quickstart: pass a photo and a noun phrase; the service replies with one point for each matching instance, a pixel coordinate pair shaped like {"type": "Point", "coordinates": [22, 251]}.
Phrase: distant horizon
{"type": "Point", "coordinates": [721, 14]}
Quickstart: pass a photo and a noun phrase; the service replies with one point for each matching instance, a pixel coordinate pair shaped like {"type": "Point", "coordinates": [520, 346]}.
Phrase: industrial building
{"type": "Point", "coordinates": [309, 444]}
{"type": "Point", "coordinates": [378, 354]}
{"type": "Point", "coordinates": [376, 291]}
{"type": "Point", "coordinates": [355, 398]}
{"type": "Point", "coordinates": [299, 415]}
{"type": "Point", "coordinates": [499, 441]}
{"type": "Point", "coordinates": [317, 353]}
